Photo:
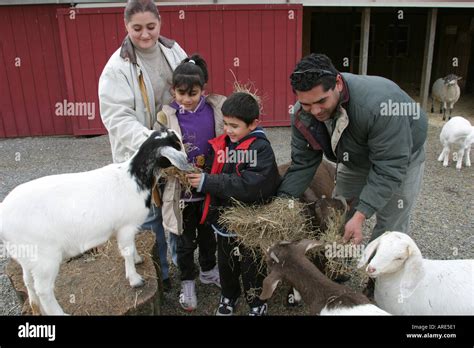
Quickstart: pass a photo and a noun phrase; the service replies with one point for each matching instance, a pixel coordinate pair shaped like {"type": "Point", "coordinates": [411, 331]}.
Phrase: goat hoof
{"type": "Point", "coordinates": [137, 282]}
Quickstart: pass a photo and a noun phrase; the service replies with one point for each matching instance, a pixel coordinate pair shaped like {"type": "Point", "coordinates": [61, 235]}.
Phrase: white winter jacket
{"type": "Point", "coordinates": [122, 106]}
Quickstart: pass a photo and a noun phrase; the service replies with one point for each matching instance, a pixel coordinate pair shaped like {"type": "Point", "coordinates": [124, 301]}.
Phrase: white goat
{"type": "Point", "coordinates": [287, 261]}
{"type": "Point", "coordinates": [457, 132]}
{"type": "Point", "coordinates": [407, 284]}
{"type": "Point", "coordinates": [446, 91]}
{"type": "Point", "coordinates": [61, 216]}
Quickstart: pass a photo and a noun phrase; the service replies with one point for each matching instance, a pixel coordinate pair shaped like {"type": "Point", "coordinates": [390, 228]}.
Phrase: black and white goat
{"type": "Point", "coordinates": [287, 261]}
{"type": "Point", "coordinates": [62, 216]}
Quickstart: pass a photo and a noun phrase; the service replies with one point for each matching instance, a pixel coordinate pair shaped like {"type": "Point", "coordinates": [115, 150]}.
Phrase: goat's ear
{"type": "Point", "coordinates": [306, 244]}
{"type": "Point", "coordinates": [309, 196]}
{"type": "Point", "coordinates": [345, 205]}
{"type": "Point", "coordinates": [413, 272]}
{"type": "Point", "coordinates": [369, 251]}
{"type": "Point", "coordinates": [269, 285]}
{"type": "Point", "coordinates": [177, 158]}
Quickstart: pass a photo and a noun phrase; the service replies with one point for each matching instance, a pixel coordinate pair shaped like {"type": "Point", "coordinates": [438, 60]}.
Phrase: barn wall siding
{"type": "Point", "coordinates": [31, 66]}
{"type": "Point", "coordinates": [62, 56]}
{"type": "Point", "coordinates": [259, 44]}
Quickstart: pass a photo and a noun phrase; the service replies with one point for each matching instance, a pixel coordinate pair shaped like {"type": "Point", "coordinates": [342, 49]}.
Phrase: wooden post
{"type": "Point", "coordinates": [364, 41]}
{"type": "Point", "coordinates": [428, 57]}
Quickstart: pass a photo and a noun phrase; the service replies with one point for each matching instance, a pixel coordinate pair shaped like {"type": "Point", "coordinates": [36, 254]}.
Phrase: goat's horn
{"type": "Point", "coordinates": [274, 257]}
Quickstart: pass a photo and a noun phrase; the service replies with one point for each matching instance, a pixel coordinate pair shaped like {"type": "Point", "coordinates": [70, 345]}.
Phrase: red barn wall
{"type": "Point", "coordinates": [62, 57]}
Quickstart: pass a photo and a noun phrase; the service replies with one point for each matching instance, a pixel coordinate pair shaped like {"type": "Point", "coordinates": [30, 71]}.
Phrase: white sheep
{"type": "Point", "coordinates": [457, 132]}
{"type": "Point", "coordinates": [446, 91]}
{"type": "Point", "coordinates": [407, 284]}
{"type": "Point", "coordinates": [287, 261]}
{"type": "Point", "coordinates": [62, 216]}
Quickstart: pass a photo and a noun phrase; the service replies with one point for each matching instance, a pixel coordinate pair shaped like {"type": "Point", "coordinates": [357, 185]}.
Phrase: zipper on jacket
{"type": "Point", "coordinates": [144, 94]}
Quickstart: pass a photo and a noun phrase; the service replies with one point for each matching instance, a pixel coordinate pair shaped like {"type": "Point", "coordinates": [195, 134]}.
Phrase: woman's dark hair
{"type": "Point", "coordinates": [314, 70]}
{"type": "Point", "coordinates": [242, 106]}
{"type": "Point", "coordinates": [139, 6]}
{"type": "Point", "coordinates": [191, 72]}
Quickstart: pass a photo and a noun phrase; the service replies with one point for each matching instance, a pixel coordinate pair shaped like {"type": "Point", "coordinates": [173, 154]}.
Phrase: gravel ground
{"type": "Point", "coordinates": [442, 223]}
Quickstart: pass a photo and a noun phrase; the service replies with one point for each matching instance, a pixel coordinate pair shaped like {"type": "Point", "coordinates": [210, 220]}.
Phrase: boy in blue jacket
{"type": "Point", "coordinates": [243, 168]}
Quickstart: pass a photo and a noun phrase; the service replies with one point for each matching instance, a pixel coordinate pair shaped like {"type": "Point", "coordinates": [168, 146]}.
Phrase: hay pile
{"type": "Point", "coordinates": [335, 265]}
{"type": "Point", "coordinates": [259, 227]}
{"type": "Point", "coordinates": [340, 258]}
{"type": "Point", "coordinates": [95, 283]}
{"type": "Point", "coordinates": [173, 172]}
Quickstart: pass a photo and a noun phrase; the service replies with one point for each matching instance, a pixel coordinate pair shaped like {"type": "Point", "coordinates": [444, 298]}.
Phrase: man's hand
{"type": "Point", "coordinates": [194, 179]}
{"type": "Point", "coordinates": [353, 228]}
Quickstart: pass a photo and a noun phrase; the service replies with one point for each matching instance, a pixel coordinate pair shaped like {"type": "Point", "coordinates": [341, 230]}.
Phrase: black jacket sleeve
{"type": "Point", "coordinates": [255, 183]}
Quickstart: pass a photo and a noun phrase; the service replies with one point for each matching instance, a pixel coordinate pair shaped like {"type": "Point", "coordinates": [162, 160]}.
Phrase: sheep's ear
{"type": "Point", "coordinates": [306, 244]}
{"type": "Point", "coordinates": [368, 252]}
{"type": "Point", "coordinates": [177, 158]}
{"type": "Point", "coordinates": [269, 285]}
{"type": "Point", "coordinates": [459, 78]}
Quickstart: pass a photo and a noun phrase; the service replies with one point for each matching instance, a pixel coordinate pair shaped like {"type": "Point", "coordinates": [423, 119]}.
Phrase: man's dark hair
{"type": "Point", "coordinates": [241, 105]}
{"type": "Point", "coordinates": [314, 70]}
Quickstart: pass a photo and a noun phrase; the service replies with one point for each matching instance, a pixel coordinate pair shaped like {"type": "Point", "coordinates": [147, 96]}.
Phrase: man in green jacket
{"type": "Point", "coordinates": [373, 131]}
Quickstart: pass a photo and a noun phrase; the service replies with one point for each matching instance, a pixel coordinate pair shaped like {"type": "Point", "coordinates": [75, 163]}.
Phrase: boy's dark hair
{"type": "Point", "coordinates": [139, 6]}
{"type": "Point", "coordinates": [190, 73]}
{"type": "Point", "coordinates": [241, 105]}
{"type": "Point", "coordinates": [314, 70]}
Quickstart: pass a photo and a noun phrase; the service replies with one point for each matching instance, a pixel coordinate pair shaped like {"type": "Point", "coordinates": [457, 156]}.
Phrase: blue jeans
{"type": "Point", "coordinates": [154, 222]}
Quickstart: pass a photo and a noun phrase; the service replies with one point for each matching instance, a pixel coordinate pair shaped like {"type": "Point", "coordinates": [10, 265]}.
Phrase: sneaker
{"type": "Point", "coordinates": [187, 297]}
{"type": "Point", "coordinates": [226, 306]}
{"type": "Point", "coordinates": [258, 311]}
{"type": "Point", "coordinates": [210, 277]}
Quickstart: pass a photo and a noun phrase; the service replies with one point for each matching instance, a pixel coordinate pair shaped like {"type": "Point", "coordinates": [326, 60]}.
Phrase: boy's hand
{"type": "Point", "coordinates": [194, 179]}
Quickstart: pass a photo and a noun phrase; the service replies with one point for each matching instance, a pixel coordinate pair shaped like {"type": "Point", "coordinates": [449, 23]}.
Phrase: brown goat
{"type": "Point", "coordinates": [318, 197]}
{"type": "Point", "coordinates": [287, 261]}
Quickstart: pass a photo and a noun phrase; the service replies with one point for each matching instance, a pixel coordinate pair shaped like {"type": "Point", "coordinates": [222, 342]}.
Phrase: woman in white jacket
{"type": "Point", "coordinates": [133, 87]}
